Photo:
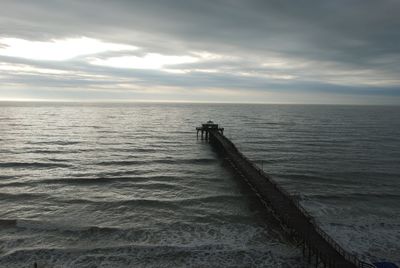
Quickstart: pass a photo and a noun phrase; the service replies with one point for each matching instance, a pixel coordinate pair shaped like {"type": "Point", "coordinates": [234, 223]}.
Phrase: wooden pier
{"type": "Point", "coordinates": [318, 248]}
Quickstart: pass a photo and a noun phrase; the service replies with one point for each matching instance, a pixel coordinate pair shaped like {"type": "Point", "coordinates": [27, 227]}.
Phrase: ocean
{"type": "Point", "coordinates": [130, 185]}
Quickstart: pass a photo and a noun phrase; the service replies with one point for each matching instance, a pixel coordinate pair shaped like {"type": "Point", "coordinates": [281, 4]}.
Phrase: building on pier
{"type": "Point", "coordinates": [206, 128]}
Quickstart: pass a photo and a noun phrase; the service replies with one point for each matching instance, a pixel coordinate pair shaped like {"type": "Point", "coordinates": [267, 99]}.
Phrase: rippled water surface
{"type": "Point", "coordinates": [129, 185]}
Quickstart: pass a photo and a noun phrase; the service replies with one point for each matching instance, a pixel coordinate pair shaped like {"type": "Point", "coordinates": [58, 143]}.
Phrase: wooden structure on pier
{"type": "Point", "coordinates": [319, 249]}
{"type": "Point", "coordinates": [206, 128]}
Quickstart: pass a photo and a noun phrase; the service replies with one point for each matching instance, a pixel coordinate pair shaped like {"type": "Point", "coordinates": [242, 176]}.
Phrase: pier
{"type": "Point", "coordinates": [318, 248]}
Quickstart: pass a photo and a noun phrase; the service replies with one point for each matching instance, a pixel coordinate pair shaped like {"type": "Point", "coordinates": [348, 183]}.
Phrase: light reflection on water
{"type": "Point", "coordinates": [116, 184]}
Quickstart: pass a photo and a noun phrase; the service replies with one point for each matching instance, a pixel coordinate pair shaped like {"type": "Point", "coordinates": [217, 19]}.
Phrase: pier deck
{"type": "Point", "coordinates": [319, 248]}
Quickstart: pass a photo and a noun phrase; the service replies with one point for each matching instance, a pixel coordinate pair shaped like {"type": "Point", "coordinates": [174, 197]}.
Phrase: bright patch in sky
{"type": "Point", "coordinates": [57, 49]}
{"type": "Point", "coordinates": [151, 61]}
{"type": "Point", "coordinates": [23, 68]}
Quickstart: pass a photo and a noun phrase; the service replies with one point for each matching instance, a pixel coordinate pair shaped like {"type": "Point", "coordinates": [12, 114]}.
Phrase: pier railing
{"type": "Point", "coordinates": [352, 258]}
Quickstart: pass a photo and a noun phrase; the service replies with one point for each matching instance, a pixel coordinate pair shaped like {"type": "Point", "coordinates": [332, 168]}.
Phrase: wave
{"type": "Point", "coordinates": [56, 226]}
{"type": "Point", "coordinates": [190, 228]}
{"type": "Point", "coordinates": [367, 196]}
{"type": "Point", "coordinates": [150, 255]}
{"type": "Point", "coordinates": [304, 177]}
{"type": "Point", "coordinates": [22, 196]}
{"type": "Point", "coordinates": [9, 177]}
{"type": "Point", "coordinates": [172, 161]}
{"type": "Point", "coordinates": [160, 203]}
{"type": "Point", "coordinates": [30, 150]}
{"type": "Point", "coordinates": [366, 223]}
{"type": "Point", "coordinates": [15, 183]}
{"type": "Point", "coordinates": [33, 165]}
{"type": "Point", "coordinates": [120, 163]}
{"type": "Point", "coordinates": [41, 151]}
{"type": "Point", "coordinates": [153, 203]}
{"type": "Point", "coordinates": [4, 151]}
{"type": "Point", "coordinates": [108, 178]}
{"type": "Point", "coordinates": [171, 204]}
{"type": "Point", "coordinates": [155, 249]}
{"type": "Point", "coordinates": [54, 142]}
{"type": "Point", "coordinates": [87, 180]}
{"type": "Point", "coordinates": [326, 179]}
{"type": "Point", "coordinates": [141, 150]}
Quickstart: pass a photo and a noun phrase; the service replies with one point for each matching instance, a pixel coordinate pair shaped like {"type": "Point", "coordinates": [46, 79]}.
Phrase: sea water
{"type": "Point", "coordinates": [130, 185]}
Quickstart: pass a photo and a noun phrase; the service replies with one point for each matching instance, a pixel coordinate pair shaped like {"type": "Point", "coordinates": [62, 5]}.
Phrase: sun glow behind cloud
{"type": "Point", "coordinates": [151, 61]}
{"type": "Point", "coordinates": [57, 49]}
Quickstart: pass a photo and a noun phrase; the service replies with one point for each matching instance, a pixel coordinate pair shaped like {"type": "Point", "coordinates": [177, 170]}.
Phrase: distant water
{"type": "Point", "coordinates": [128, 185]}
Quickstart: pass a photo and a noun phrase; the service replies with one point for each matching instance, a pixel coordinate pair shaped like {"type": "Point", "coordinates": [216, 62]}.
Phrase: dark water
{"type": "Point", "coordinates": [128, 185]}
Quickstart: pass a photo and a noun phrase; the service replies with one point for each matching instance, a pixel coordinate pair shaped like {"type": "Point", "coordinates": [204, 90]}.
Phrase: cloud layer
{"type": "Point", "coordinates": [224, 50]}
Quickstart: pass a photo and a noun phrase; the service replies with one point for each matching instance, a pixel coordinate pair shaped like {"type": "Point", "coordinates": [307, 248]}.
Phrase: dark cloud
{"type": "Point", "coordinates": [343, 46]}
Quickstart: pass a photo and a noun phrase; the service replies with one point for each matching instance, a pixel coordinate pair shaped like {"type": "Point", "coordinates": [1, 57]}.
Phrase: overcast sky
{"type": "Point", "coordinates": [321, 51]}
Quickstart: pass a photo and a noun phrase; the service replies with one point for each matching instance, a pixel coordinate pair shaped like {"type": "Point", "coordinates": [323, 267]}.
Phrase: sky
{"type": "Point", "coordinates": [250, 51]}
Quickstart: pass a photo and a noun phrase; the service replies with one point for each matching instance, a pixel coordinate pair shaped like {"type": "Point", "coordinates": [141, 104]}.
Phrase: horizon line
{"type": "Point", "coordinates": [181, 102]}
